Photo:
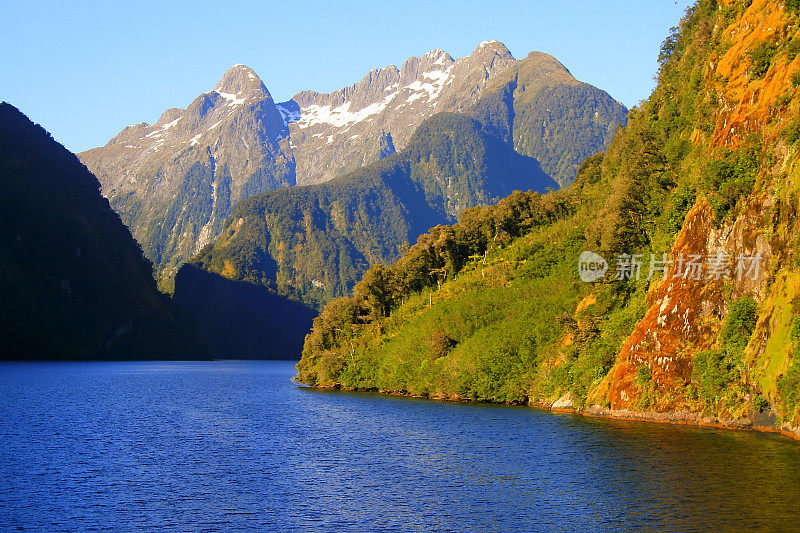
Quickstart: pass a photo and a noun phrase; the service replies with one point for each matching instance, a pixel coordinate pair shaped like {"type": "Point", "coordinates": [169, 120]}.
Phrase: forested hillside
{"type": "Point", "coordinates": [312, 243]}
{"type": "Point", "coordinates": [538, 107]}
{"type": "Point", "coordinates": [73, 282]}
{"type": "Point", "coordinates": [694, 206]}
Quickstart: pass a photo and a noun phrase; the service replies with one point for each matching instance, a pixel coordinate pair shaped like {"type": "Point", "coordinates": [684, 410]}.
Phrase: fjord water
{"type": "Point", "coordinates": [237, 446]}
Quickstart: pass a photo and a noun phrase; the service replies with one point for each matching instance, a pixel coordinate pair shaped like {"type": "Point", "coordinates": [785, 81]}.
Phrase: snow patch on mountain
{"type": "Point", "coordinates": [429, 85]}
{"type": "Point", "coordinates": [439, 78]}
{"type": "Point", "coordinates": [341, 115]}
{"type": "Point", "coordinates": [162, 130]}
{"type": "Point", "coordinates": [231, 98]}
{"type": "Point", "coordinates": [169, 125]}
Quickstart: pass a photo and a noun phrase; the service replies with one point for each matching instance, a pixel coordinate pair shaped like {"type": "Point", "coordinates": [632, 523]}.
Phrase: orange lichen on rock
{"type": "Point", "coordinates": [678, 323]}
{"type": "Point", "coordinates": [746, 101]}
{"type": "Point", "coordinates": [586, 302]}
{"type": "Point", "coordinates": [228, 270]}
{"type": "Point", "coordinates": [684, 314]}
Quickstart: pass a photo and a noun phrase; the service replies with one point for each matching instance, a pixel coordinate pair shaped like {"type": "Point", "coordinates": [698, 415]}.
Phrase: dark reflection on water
{"type": "Point", "coordinates": [235, 446]}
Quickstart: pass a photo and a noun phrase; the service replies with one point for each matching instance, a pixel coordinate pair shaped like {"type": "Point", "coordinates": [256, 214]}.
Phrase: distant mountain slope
{"type": "Point", "coordinates": [335, 133]}
{"type": "Point", "coordinates": [538, 106]}
{"type": "Point", "coordinates": [554, 117]}
{"type": "Point", "coordinates": [312, 243]}
{"type": "Point", "coordinates": [175, 182]}
{"type": "Point", "coordinates": [73, 282]}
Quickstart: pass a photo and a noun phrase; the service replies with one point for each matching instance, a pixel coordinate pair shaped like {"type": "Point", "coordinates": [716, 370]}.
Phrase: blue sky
{"type": "Point", "coordinates": [85, 70]}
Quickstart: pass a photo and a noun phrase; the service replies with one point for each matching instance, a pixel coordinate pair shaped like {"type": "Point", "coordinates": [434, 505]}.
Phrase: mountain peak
{"type": "Point", "coordinates": [240, 80]}
{"type": "Point", "coordinates": [438, 56]}
{"type": "Point", "coordinates": [495, 47]}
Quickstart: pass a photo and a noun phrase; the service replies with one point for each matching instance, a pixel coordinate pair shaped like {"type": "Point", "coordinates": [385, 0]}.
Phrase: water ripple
{"type": "Point", "coordinates": [234, 446]}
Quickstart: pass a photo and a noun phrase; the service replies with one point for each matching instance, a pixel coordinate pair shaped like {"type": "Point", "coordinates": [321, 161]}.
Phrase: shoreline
{"type": "Point", "coordinates": [680, 418]}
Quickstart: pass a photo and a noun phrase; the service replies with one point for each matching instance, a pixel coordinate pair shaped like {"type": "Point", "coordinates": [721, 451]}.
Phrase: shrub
{"type": "Point", "coordinates": [644, 374]}
{"type": "Point", "coordinates": [440, 344]}
{"type": "Point", "coordinates": [761, 58]}
{"type": "Point", "coordinates": [792, 131]}
{"type": "Point", "coordinates": [740, 323]}
{"type": "Point", "coordinates": [714, 371]}
{"type": "Point", "coordinates": [760, 404]}
{"type": "Point", "coordinates": [679, 204]}
{"type": "Point", "coordinates": [789, 389]}
{"type": "Point", "coordinates": [732, 177]}
{"type": "Point", "coordinates": [795, 334]}
{"type": "Point", "coordinates": [793, 48]}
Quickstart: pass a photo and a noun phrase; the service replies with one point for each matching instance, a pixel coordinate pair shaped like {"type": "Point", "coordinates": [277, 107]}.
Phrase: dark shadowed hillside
{"type": "Point", "coordinates": [242, 320]}
{"type": "Point", "coordinates": [73, 282]}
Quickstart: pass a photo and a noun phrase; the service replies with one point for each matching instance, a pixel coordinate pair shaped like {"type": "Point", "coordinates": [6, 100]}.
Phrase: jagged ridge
{"type": "Point", "coordinates": [175, 182]}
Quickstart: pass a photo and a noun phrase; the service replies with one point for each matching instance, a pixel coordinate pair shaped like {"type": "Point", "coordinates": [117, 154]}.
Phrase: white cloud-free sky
{"type": "Point", "coordinates": [84, 70]}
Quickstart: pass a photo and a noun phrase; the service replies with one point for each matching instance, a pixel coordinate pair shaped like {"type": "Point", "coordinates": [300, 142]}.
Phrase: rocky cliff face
{"type": "Point", "coordinates": [681, 341]}
{"type": "Point", "coordinates": [174, 182]}
{"type": "Point", "coordinates": [341, 131]}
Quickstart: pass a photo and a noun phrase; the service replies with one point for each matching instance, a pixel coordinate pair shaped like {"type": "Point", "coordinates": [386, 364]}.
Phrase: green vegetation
{"type": "Point", "coordinates": [732, 177]}
{"type": "Point", "coordinates": [580, 119]}
{"type": "Point", "coordinates": [718, 374]}
{"type": "Point", "coordinates": [469, 310]}
{"type": "Point", "coordinates": [680, 202]}
{"type": "Point", "coordinates": [761, 58]}
{"type": "Point", "coordinates": [313, 243]}
{"type": "Point", "coordinates": [490, 308]}
{"type": "Point", "coordinates": [789, 383]}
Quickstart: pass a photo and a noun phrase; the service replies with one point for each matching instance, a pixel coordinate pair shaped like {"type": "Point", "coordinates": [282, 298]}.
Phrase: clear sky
{"type": "Point", "coordinates": [84, 70]}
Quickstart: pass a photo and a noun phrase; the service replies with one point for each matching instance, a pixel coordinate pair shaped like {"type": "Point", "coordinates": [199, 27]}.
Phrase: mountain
{"type": "Point", "coordinates": [242, 320]}
{"type": "Point", "coordinates": [335, 133]}
{"type": "Point", "coordinates": [312, 243]}
{"type": "Point", "coordinates": [536, 105]}
{"type": "Point", "coordinates": [663, 283]}
{"type": "Point", "coordinates": [73, 282]}
{"type": "Point", "coordinates": [176, 181]}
